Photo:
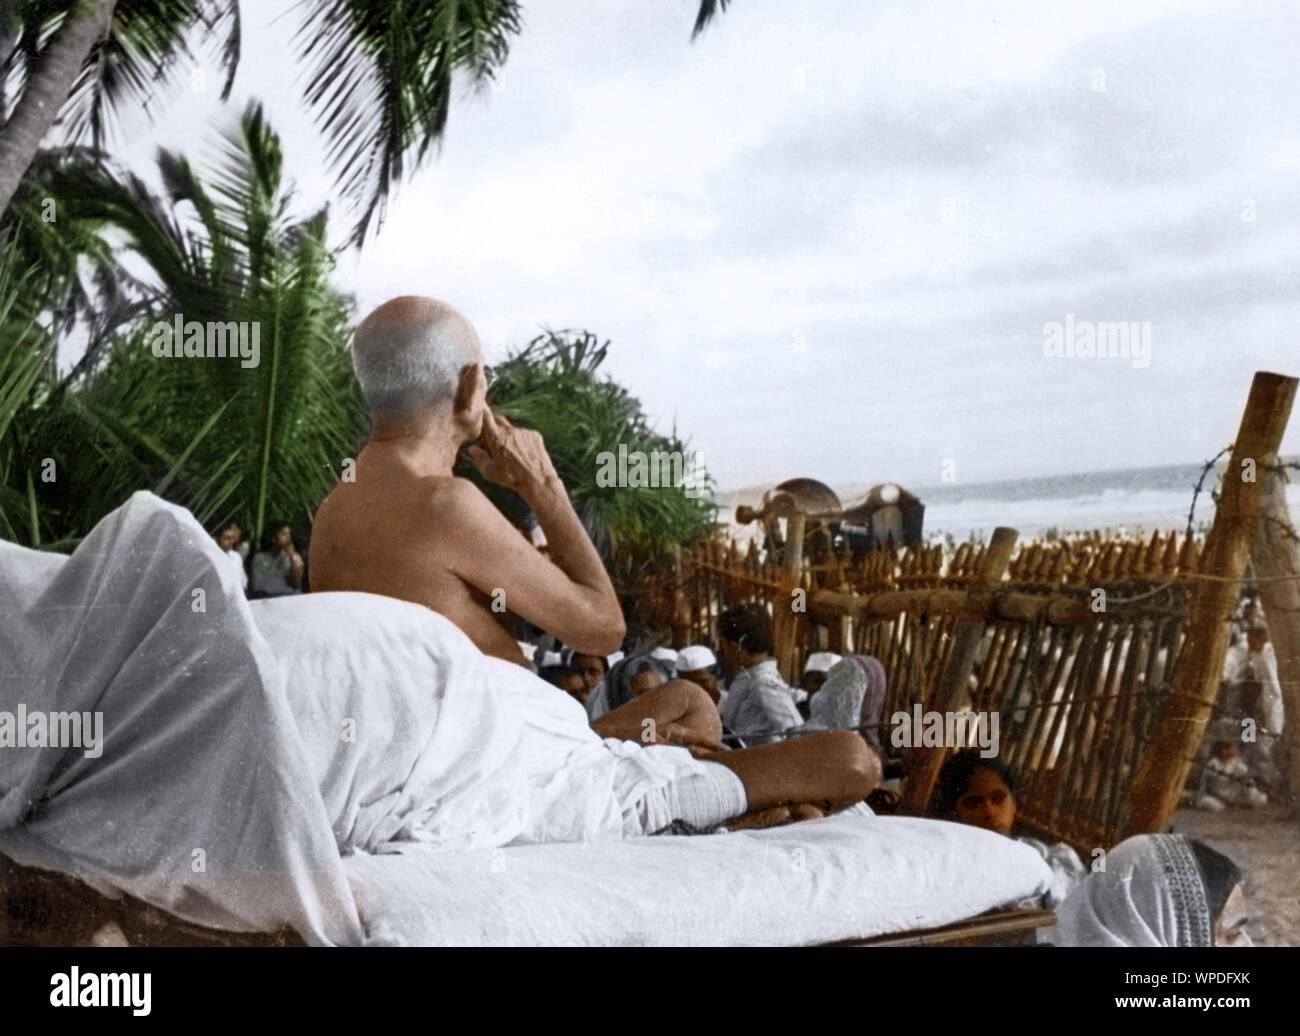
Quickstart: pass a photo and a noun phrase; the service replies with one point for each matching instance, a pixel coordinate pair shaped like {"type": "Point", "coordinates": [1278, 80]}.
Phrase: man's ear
{"type": "Point", "coordinates": [467, 390]}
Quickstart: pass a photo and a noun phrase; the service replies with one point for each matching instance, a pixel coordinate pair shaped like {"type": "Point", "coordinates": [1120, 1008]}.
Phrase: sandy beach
{"type": "Point", "coordinates": [1266, 845]}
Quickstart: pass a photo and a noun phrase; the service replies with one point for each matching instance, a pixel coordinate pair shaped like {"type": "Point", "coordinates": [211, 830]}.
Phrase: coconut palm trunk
{"type": "Point", "coordinates": [48, 86]}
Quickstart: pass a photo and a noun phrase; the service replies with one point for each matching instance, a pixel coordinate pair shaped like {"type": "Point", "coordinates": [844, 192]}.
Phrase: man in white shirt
{"type": "Point", "coordinates": [1255, 693]}
{"type": "Point", "coordinates": [759, 703]}
{"type": "Point", "coordinates": [228, 541]}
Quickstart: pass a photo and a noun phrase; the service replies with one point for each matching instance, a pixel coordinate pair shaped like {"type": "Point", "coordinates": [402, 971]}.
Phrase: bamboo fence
{"type": "Point", "coordinates": [1101, 654]}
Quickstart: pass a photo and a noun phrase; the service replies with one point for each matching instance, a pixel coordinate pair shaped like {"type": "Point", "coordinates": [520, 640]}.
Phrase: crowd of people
{"type": "Point", "coordinates": [754, 703]}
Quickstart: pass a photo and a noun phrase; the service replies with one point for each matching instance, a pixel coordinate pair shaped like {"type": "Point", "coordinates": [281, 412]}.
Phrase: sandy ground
{"type": "Point", "coordinates": [1266, 845]}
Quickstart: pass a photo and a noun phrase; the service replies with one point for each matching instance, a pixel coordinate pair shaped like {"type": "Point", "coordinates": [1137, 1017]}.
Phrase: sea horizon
{"type": "Point", "coordinates": [1125, 500]}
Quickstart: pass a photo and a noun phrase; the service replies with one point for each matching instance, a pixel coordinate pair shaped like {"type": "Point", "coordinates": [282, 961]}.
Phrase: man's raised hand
{"type": "Point", "coordinates": [515, 458]}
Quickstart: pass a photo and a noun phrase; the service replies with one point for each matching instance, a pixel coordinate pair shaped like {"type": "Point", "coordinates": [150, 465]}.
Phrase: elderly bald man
{"type": "Point", "coordinates": [407, 528]}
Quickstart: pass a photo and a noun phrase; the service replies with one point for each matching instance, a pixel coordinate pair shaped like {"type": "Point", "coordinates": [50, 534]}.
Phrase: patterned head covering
{"type": "Point", "coordinates": [852, 698]}
{"type": "Point", "coordinates": [628, 669]}
{"type": "Point", "coordinates": [1153, 892]}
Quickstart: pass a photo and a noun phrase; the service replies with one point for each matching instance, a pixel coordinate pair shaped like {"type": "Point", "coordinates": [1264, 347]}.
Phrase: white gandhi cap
{"type": "Point", "coordinates": [697, 656]}
{"type": "Point", "coordinates": [820, 662]}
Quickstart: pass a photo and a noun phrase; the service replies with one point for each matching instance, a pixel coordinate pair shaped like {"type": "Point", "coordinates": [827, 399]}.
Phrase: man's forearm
{"type": "Point", "coordinates": [570, 547]}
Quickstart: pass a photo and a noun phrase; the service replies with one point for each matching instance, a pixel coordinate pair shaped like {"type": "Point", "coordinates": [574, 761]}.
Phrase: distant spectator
{"type": "Point", "coordinates": [696, 663]}
{"type": "Point", "coordinates": [852, 698]}
{"type": "Point", "coordinates": [814, 675]}
{"type": "Point", "coordinates": [815, 669]}
{"type": "Point", "coordinates": [228, 540]}
{"type": "Point", "coordinates": [669, 657]}
{"type": "Point", "coordinates": [759, 705]}
{"type": "Point", "coordinates": [591, 668]}
{"type": "Point", "coordinates": [1254, 694]}
{"type": "Point", "coordinates": [629, 678]}
{"type": "Point", "coordinates": [278, 569]}
{"type": "Point", "coordinates": [1227, 781]}
{"type": "Point", "coordinates": [566, 680]}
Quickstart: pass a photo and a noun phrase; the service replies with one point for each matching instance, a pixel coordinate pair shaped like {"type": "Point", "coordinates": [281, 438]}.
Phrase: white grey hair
{"type": "Point", "coordinates": [409, 353]}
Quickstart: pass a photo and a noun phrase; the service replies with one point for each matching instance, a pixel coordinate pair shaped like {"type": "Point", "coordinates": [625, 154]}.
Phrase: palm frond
{"type": "Point", "coordinates": [709, 9]}
{"type": "Point", "coordinates": [146, 57]}
{"type": "Point", "coordinates": [380, 83]}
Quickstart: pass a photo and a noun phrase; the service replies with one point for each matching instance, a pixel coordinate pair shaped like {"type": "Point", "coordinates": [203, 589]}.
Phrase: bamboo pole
{"type": "Point", "coordinates": [951, 688]}
{"type": "Point", "coordinates": [1057, 609]}
{"type": "Point", "coordinates": [1277, 560]}
{"type": "Point", "coordinates": [786, 621]}
{"type": "Point", "coordinates": [1158, 784]}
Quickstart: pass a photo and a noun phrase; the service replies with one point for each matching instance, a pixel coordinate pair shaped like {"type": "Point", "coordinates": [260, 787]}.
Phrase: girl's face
{"type": "Point", "coordinates": [646, 681]}
{"type": "Point", "coordinates": [987, 802]}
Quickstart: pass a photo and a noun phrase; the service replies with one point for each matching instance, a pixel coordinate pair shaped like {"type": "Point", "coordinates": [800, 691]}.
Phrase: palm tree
{"type": "Point", "coordinates": [554, 386]}
{"type": "Point", "coordinates": [379, 74]}
{"type": "Point", "coordinates": [225, 439]}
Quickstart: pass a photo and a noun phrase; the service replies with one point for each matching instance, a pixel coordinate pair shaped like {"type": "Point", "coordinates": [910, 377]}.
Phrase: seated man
{"type": "Point", "coordinates": [759, 704]}
{"type": "Point", "coordinates": [228, 541]}
{"type": "Point", "coordinates": [814, 676]}
{"type": "Point", "coordinates": [592, 669]}
{"type": "Point", "coordinates": [695, 663]}
{"type": "Point", "coordinates": [407, 528]}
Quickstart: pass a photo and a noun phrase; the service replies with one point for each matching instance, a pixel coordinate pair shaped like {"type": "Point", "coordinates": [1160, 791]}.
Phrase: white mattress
{"type": "Point", "coordinates": [819, 881]}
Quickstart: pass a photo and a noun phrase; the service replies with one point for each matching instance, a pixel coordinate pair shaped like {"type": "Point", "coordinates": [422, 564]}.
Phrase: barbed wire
{"type": "Point", "coordinates": [1200, 482]}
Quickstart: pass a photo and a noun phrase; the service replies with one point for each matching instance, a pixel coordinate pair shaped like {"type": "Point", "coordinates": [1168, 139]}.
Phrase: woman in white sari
{"type": "Point", "coordinates": [1156, 890]}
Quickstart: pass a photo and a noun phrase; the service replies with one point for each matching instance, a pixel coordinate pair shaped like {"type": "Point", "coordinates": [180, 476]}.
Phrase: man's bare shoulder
{"type": "Point", "coordinates": [460, 506]}
{"type": "Point", "coordinates": [455, 498]}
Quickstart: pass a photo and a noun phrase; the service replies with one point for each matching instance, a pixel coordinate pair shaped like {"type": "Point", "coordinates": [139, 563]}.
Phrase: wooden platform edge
{"type": "Point", "coordinates": [1005, 927]}
{"type": "Point", "coordinates": [48, 908]}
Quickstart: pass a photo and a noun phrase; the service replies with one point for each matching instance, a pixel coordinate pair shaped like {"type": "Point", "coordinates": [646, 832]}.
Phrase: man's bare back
{"type": "Point", "coordinates": [394, 532]}
{"type": "Point", "coordinates": [407, 528]}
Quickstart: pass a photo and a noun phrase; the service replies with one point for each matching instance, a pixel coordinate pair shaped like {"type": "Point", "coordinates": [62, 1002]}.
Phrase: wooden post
{"type": "Point", "coordinates": [951, 689]}
{"type": "Point", "coordinates": [1158, 784]}
{"type": "Point", "coordinates": [786, 621]}
{"type": "Point", "coordinates": [1277, 564]}
{"type": "Point", "coordinates": [681, 608]}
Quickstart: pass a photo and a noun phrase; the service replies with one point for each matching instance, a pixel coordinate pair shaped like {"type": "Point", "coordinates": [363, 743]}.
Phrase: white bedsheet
{"type": "Point", "coordinates": [199, 799]}
{"type": "Point", "coordinates": [847, 876]}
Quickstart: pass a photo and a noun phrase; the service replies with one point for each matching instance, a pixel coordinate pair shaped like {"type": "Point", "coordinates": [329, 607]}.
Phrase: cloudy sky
{"type": "Point", "coordinates": [825, 238]}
